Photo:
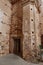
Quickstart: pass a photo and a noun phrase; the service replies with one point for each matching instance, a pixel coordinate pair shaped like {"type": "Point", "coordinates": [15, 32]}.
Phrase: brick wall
{"type": "Point", "coordinates": [16, 19]}
{"type": "Point", "coordinates": [25, 20]}
{"type": "Point", "coordinates": [16, 24]}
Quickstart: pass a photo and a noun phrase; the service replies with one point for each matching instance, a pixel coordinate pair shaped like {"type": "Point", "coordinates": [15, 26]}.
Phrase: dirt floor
{"type": "Point", "coordinates": [12, 59]}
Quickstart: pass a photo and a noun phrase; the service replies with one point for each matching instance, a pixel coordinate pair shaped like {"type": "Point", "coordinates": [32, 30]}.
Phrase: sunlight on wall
{"type": "Point", "coordinates": [42, 0]}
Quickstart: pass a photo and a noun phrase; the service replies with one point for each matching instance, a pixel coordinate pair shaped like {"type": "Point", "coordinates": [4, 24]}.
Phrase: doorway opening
{"type": "Point", "coordinates": [42, 40]}
{"type": "Point", "coordinates": [17, 46]}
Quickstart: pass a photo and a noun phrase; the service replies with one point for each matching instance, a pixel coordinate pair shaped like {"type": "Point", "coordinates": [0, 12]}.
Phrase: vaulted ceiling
{"type": "Point", "coordinates": [38, 2]}
{"type": "Point", "coordinates": [13, 1]}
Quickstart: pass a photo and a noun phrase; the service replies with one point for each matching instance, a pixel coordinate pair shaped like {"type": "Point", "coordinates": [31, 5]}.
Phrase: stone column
{"type": "Point", "coordinates": [31, 32]}
{"type": "Point", "coordinates": [26, 32]}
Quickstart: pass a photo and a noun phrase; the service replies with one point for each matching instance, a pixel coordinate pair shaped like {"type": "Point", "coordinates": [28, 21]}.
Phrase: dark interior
{"type": "Point", "coordinates": [17, 45]}
{"type": "Point", "coordinates": [42, 41]}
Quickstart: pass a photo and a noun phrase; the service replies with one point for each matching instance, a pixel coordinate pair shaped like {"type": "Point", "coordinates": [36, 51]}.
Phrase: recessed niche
{"type": "Point", "coordinates": [40, 23]}
{"type": "Point", "coordinates": [33, 43]}
{"type": "Point", "coordinates": [5, 14]}
{"type": "Point", "coordinates": [31, 19]}
{"type": "Point", "coordinates": [40, 4]}
{"type": "Point", "coordinates": [0, 32]}
{"type": "Point", "coordinates": [1, 21]}
{"type": "Point", "coordinates": [2, 47]}
{"type": "Point", "coordinates": [5, 4]}
{"type": "Point", "coordinates": [32, 32]}
{"type": "Point", "coordinates": [31, 8]}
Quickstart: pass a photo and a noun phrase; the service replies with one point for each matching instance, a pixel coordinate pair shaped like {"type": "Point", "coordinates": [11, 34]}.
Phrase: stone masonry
{"type": "Point", "coordinates": [5, 21]}
{"type": "Point", "coordinates": [25, 21]}
{"type": "Point", "coordinates": [20, 20]}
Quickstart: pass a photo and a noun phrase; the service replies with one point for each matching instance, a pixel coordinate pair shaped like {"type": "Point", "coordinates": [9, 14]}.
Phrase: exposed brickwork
{"type": "Point", "coordinates": [16, 19]}
{"type": "Point", "coordinates": [24, 20]}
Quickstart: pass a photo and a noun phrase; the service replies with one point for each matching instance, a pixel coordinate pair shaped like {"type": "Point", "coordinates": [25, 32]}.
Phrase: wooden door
{"type": "Point", "coordinates": [42, 40]}
{"type": "Point", "coordinates": [17, 49]}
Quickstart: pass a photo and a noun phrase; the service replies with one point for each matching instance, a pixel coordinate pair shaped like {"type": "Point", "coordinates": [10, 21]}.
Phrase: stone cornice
{"type": "Point", "coordinates": [23, 2]}
{"type": "Point", "coordinates": [37, 3]}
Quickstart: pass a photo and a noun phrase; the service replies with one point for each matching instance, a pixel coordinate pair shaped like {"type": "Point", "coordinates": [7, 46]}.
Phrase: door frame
{"type": "Point", "coordinates": [12, 42]}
